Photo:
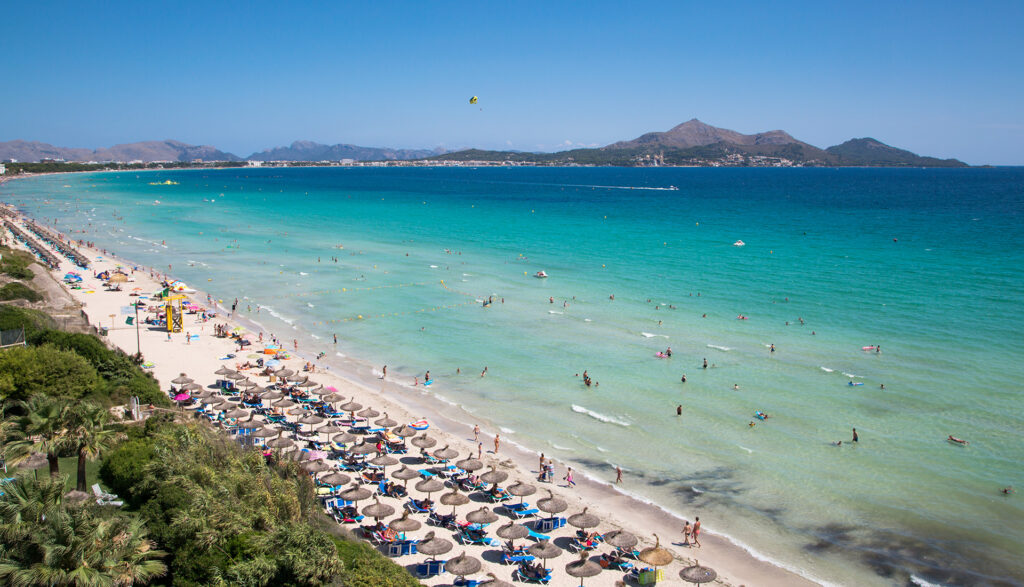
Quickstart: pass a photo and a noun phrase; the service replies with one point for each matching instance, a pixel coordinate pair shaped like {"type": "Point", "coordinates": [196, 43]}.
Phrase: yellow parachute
{"type": "Point", "coordinates": [472, 100]}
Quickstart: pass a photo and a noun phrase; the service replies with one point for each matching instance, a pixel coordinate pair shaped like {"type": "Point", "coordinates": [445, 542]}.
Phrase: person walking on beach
{"type": "Point", "coordinates": [188, 337]}
{"type": "Point", "coordinates": [687, 530]}
{"type": "Point", "coordinates": [696, 531]}
{"type": "Point", "coordinates": [384, 372]}
{"type": "Point", "coordinates": [568, 478]}
{"type": "Point", "coordinates": [476, 432]}
{"type": "Point", "coordinates": [497, 442]}
{"type": "Point", "coordinates": [618, 474]}
{"type": "Point", "coordinates": [335, 336]}
{"type": "Point", "coordinates": [479, 451]}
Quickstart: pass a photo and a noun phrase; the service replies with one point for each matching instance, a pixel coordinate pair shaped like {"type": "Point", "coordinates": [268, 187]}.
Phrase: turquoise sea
{"type": "Point", "coordinates": [925, 263]}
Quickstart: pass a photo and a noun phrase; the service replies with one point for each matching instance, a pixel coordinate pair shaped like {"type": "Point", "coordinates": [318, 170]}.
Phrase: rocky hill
{"type": "Point", "coordinates": [310, 151]}
{"type": "Point", "coordinates": [147, 151]}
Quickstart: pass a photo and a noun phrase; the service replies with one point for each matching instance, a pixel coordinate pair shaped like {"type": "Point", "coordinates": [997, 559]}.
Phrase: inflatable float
{"type": "Point", "coordinates": [854, 383]}
{"type": "Point", "coordinates": [760, 415]}
{"type": "Point", "coordinates": [956, 440]}
{"type": "Point", "coordinates": [662, 355]}
{"type": "Point", "coordinates": [419, 425]}
{"type": "Point", "coordinates": [867, 348]}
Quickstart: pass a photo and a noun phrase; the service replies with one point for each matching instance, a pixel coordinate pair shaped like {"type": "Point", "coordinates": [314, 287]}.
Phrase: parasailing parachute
{"type": "Point", "coordinates": [472, 100]}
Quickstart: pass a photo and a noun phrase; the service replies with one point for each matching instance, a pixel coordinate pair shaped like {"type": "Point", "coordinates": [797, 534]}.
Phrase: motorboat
{"type": "Point", "coordinates": [739, 244]}
{"type": "Point", "coordinates": [540, 275]}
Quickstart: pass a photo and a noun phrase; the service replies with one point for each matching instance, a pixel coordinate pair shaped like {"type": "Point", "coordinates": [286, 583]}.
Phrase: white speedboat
{"type": "Point", "coordinates": [739, 244]}
{"type": "Point", "coordinates": [540, 275]}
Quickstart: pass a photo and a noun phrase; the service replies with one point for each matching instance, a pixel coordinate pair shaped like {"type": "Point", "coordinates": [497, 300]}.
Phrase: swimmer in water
{"type": "Point", "coordinates": [772, 350]}
{"type": "Point", "coordinates": [683, 378]}
{"type": "Point", "coordinates": [705, 363]}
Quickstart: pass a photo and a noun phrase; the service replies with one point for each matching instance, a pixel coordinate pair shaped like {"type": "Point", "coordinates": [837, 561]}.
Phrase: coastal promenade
{"type": "Point", "coordinates": [204, 354]}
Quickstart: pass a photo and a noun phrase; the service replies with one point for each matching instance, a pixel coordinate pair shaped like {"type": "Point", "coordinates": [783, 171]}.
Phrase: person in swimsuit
{"type": "Point", "coordinates": [696, 531]}
{"type": "Point", "coordinates": [686, 533]}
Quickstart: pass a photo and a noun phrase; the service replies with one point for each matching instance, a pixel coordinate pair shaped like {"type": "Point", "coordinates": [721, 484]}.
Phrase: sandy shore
{"type": "Point", "coordinates": [199, 358]}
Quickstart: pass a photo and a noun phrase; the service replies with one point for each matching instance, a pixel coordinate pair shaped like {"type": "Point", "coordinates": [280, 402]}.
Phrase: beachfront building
{"type": "Point", "coordinates": [3, 169]}
{"type": "Point", "coordinates": [255, 164]}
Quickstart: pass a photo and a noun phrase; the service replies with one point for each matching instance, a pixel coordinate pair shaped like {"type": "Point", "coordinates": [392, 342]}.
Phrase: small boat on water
{"type": "Point", "coordinates": [540, 275]}
{"type": "Point", "coordinates": [739, 244]}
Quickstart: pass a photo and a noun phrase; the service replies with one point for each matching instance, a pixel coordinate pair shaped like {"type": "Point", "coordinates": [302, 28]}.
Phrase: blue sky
{"type": "Point", "coordinates": [938, 78]}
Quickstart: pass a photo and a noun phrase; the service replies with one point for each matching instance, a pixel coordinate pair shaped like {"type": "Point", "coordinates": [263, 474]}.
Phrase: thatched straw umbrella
{"type": "Point", "coordinates": [385, 422]}
{"type": "Point", "coordinates": [429, 486]}
{"type": "Point", "coordinates": [463, 565]}
{"type": "Point", "coordinates": [656, 556]}
{"type": "Point", "coordinates": [423, 441]}
{"type": "Point", "coordinates": [583, 520]}
{"type": "Point", "coordinates": [512, 532]}
{"type": "Point", "coordinates": [482, 516]}
{"type": "Point", "coordinates": [454, 498]}
{"type": "Point", "coordinates": [378, 510]}
{"type": "Point", "coordinates": [432, 545]}
{"type": "Point", "coordinates": [494, 476]}
{"type": "Point", "coordinates": [404, 474]}
{"type": "Point", "coordinates": [405, 523]}
{"type": "Point", "coordinates": [552, 504]}
{"type": "Point", "coordinates": [544, 550]}
{"type": "Point", "coordinates": [521, 490]}
{"type": "Point", "coordinates": [583, 568]}
{"type": "Point", "coordinates": [334, 479]}
{"type": "Point", "coordinates": [697, 574]}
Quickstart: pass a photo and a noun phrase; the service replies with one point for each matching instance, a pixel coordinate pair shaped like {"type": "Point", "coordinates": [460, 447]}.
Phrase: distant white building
{"type": "Point", "coordinates": [255, 164]}
{"type": "Point", "coordinates": [3, 169]}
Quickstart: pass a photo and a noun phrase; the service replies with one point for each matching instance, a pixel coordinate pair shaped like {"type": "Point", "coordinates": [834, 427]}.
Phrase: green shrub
{"type": "Point", "coordinates": [16, 290]}
{"type": "Point", "coordinates": [15, 263]}
{"type": "Point", "coordinates": [13, 318]}
{"type": "Point", "coordinates": [48, 370]}
{"type": "Point", "coordinates": [365, 567]}
{"type": "Point", "coordinates": [122, 378]}
{"type": "Point", "coordinates": [124, 467]}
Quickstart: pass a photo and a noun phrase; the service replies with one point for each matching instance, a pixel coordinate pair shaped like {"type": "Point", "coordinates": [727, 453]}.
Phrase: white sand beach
{"type": "Point", "coordinates": [200, 357]}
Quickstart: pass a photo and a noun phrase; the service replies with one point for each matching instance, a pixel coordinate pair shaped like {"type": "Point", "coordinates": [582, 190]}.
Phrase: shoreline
{"type": "Point", "coordinates": [736, 563]}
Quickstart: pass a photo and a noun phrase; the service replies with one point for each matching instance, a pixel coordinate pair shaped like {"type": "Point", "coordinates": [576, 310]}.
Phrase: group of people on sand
{"type": "Point", "coordinates": [691, 533]}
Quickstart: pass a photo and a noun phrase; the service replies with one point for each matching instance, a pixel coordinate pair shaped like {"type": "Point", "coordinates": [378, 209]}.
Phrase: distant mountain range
{"type": "Point", "coordinates": [690, 143]}
{"type": "Point", "coordinates": [696, 143]}
{"type": "Point", "coordinates": [32, 151]}
{"type": "Point", "coordinates": [310, 151]}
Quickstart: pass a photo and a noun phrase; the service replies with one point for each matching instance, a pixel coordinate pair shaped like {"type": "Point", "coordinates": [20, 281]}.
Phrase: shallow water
{"type": "Point", "coordinates": [941, 300]}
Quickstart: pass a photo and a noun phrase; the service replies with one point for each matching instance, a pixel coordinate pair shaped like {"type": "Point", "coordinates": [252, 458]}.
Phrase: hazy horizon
{"type": "Point", "coordinates": [934, 79]}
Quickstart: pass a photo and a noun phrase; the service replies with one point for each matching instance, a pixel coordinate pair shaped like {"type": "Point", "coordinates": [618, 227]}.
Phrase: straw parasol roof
{"type": "Point", "coordinates": [335, 478]}
{"type": "Point", "coordinates": [552, 504]}
{"type": "Point", "coordinates": [513, 531]}
{"type": "Point", "coordinates": [334, 398]}
{"type": "Point", "coordinates": [281, 443]}
{"type": "Point", "coordinates": [378, 510]}
{"type": "Point", "coordinates": [463, 565]}
{"type": "Point", "coordinates": [620, 539]}
{"type": "Point", "coordinates": [493, 476]}
{"type": "Point", "coordinates": [271, 395]}
{"type": "Point", "coordinates": [311, 419]}
{"type": "Point", "coordinates": [405, 431]}
{"type": "Point", "coordinates": [432, 546]}
{"type": "Point", "coordinates": [307, 384]}
{"type": "Point", "coordinates": [583, 567]}
{"type": "Point", "coordinates": [384, 461]}
{"type": "Point", "coordinates": [250, 424]}
{"type": "Point", "coordinates": [386, 422]}
{"type": "Point", "coordinates": [363, 448]}
{"type": "Point", "coordinates": [205, 394]}
{"type": "Point", "coordinates": [470, 464]}
{"type": "Point", "coordinates": [247, 384]}
{"type": "Point", "coordinates": [544, 550]}
{"type": "Point", "coordinates": [330, 429]}
{"type": "Point", "coordinates": [482, 516]}
{"type": "Point", "coordinates": [454, 498]}
{"type": "Point", "coordinates": [237, 413]}
{"type": "Point", "coordinates": [520, 489]}
{"type": "Point", "coordinates": [405, 523]}
{"type": "Point", "coordinates": [350, 406]}
{"type": "Point", "coordinates": [697, 574]}
{"type": "Point", "coordinates": [285, 403]}
{"type": "Point", "coordinates": [355, 493]}
{"type": "Point", "coordinates": [299, 411]}
{"type": "Point", "coordinates": [584, 520]}
{"type": "Point", "coordinates": [257, 390]}
{"type": "Point", "coordinates": [404, 474]}
{"type": "Point", "coordinates": [345, 437]}
{"type": "Point", "coordinates": [445, 453]}
{"type": "Point", "coordinates": [223, 370]}
{"type": "Point", "coordinates": [296, 378]}
{"type": "Point", "coordinates": [235, 376]}
{"type": "Point", "coordinates": [429, 486]}
{"type": "Point", "coordinates": [423, 441]}
{"type": "Point", "coordinates": [315, 466]}
{"type": "Point", "coordinates": [35, 461]}
{"type": "Point", "coordinates": [76, 497]}
{"type": "Point", "coordinates": [182, 379]}
{"type": "Point", "coordinates": [656, 555]}
{"type": "Point", "coordinates": [494, 581]}
{"type": "Point", "coordinates": [284, 373]}
{"type": "Point", "coordinates": [264, 432]}
{"type": "Point", "coordinates": [368, 413]}
{"type": "Point", "coordinates": [192, 387]}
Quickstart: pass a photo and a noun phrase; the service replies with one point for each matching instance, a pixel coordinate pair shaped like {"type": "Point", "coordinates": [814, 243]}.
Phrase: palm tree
{"type": "Point", "coordinates": [44, 542]}
{"type": "Point", "coordinates": [89, 435]}
{"type": "Point", "coordinates": [43, 428]}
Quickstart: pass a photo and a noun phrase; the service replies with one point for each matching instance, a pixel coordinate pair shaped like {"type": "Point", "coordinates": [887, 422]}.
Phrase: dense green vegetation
{"type": "Point", "coordinates": [15, 263]}
{"type": "Point", "coordinates": [17, 290]}
{"type": "Point", "coordinates": [199, 508]}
